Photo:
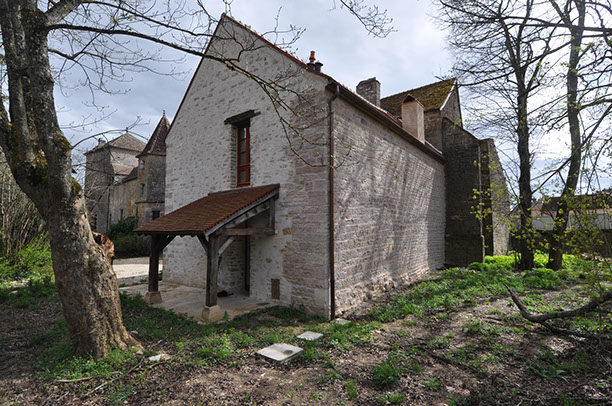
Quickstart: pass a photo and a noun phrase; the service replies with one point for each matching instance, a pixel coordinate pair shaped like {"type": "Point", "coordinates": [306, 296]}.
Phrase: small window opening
{"type": "Point", "coordinates": [155, 214]}
{"type": "Point", "coordinates": [243, 154]}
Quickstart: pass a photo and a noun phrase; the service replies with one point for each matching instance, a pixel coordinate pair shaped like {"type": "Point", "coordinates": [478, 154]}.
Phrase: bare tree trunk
{"type": "Point", "coordinates": [525, 193]}
{"type": "Point", "coordinates": [555, 259]}
{"type": "Point", "coordinates": [39, 158]}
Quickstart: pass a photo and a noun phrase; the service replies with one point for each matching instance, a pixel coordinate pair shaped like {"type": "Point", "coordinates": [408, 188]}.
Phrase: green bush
{"type": "Point", "coordinates": [542, 278]}
{"type": "Point", "coordinates": [127, 243]}
{"type": "Point", "coordinates": [33, 260]}
{"type": "Point", "coordinates": [123, 227]}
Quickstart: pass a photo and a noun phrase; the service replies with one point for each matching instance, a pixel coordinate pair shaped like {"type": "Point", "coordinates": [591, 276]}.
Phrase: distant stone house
{"type": "Point", "coordinates": [594, 210]}
{"type": "Point", "coordinates": [125, 178]}
{"type": "Point", "coordinates": [345, 197]}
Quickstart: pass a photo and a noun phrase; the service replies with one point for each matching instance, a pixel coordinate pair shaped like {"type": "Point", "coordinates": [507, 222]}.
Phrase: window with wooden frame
{"type": "Point", "coordinates": [243, 158]}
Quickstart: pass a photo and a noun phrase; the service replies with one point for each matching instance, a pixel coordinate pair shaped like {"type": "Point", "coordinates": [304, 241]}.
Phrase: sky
{"type": "Point", "coordinates": [412, 56]}
{"type": "Point", "coordinates": [415, 54]}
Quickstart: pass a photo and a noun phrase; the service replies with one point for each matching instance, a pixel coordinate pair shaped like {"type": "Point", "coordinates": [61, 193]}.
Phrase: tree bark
{"type": "Point", "coordinates": [555, 256]}
{"type": "Point", "coordinates": [39, 158]}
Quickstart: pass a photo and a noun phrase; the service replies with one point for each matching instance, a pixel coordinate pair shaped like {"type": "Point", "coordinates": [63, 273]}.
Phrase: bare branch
{"type": "Point", "coordinates": [62, 9]}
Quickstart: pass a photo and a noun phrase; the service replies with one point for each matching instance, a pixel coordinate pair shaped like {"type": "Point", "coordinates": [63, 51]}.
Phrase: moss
{"type": "Point", "coordinates": [61, 141]}
{"type": "Point", "coordinates": [38, 173]}
{"type": "Point", "coordinates": [77, 189]}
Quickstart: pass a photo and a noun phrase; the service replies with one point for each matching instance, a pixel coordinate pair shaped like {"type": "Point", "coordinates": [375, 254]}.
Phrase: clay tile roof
{"type": "Point", "coordinates": [431, 96]}
{"type": "Point", "coordinates": [125, 141]}
{"type": "Point", "coordinates": [201, 215]}
{"type": "Point", "coordinates": [119, 169]}
{"type": "Point", "coordinates": [132, 175]}
{"type": "Point", "coordinates": [157, 142]}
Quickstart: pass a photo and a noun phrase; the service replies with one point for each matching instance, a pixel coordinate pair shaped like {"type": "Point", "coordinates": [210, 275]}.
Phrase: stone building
{"type": "Point", "coordinates": [321, 198]}
{"type": "Point", "coordinates": [125, 178]}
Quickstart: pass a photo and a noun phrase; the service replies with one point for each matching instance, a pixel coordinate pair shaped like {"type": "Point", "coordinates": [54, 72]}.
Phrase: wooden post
{"type": "Point", "coordinates": [212, 270]}
{"type": "Point", "coordinates": [153, 295]}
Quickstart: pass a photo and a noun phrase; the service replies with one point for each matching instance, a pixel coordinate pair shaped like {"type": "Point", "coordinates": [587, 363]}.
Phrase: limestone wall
{"type": "Point", "coordinates": [389, 208]}
{"type": "Point", "coordinates": [201, 159]}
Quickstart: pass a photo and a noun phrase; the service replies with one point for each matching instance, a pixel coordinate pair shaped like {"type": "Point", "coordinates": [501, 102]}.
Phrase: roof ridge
{"type": "Point", "coordinates": [421, 87]}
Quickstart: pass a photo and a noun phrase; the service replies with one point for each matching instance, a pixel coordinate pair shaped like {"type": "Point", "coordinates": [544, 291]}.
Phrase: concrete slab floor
{"type": "Point", "coordinates": [191, 301]}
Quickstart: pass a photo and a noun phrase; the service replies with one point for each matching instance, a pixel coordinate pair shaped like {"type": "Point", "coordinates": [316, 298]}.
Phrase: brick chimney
{"type": "Point", "coordinates": [369, 89]}
{"type": "Point", "coordinates": [413, 118]}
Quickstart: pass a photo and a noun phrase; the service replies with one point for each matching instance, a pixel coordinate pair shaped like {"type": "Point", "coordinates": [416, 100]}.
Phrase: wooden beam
{"type": "Point", "coordinates": [272, 214]}
{"type": "Point", "coordinates": [212, 269]}
{"type": "Point", "coordinates": [246, 213]}
{"type": "Point", "coordinates": [247, 231]}
{"type": "Point", "coordinates": [224, 246]}
{"type": "Point", "coordinates": [204, 243]}
{"type": "Point", "coordinates": [163, 243]}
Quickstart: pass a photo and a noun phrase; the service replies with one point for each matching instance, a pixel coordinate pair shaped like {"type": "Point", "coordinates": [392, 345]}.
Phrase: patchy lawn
{"type": "Point", "coordinates": [456, 339]}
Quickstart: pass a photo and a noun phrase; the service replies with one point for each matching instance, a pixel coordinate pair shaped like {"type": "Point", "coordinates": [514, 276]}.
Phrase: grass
{"type": "Point", "coordinates": [475, 343]}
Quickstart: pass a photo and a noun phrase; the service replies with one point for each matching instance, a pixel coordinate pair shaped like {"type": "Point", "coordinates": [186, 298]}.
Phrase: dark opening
{"type": "Point", "coordinates": [276, 289]}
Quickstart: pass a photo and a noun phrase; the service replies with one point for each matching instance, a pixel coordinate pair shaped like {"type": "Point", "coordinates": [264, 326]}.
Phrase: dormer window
{"type": "Point", "coordinates": [243, 159]}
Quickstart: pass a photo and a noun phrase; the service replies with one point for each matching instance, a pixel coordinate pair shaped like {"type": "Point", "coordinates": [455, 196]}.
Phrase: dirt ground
{"type": "Point", "coordinates": [445, 364]}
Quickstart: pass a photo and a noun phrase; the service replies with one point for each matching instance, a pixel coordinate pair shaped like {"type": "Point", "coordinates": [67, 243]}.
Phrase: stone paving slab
{"type": "Point", "coordinates": [280, 352]}
{"type": "Point", "coordinates": [310, 336]}
{"type": "Point", "coordinates": [342, 322]}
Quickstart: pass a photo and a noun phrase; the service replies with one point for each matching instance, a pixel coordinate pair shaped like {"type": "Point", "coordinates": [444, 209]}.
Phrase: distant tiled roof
{"type": "Point", "coordinates": [431, 96]}
{"type": "Point", "coordinates": [201, 215]}
{"type": "Point", "coordinates": [157, 142]}
{"type": "Point", "coordinates": [119, 169]}
{"type": "Point", "coordinates": [132, 175]}
{"type": "Point", "coordinates": [125, 141]}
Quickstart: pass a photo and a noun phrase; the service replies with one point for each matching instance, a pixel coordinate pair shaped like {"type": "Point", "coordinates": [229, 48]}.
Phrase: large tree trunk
{"type": "Point", "coordinates": [86, 283]}
{"type": "Point", "coordinates": [39, 158]}
{"type": "Point", "coordinates": [555, 258]}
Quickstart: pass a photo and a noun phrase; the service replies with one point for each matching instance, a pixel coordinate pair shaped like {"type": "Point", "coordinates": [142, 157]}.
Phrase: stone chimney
{"type": "Point", "coordinates": [369, 89]}
{"type": "Point", "coordinates": [413, 118]}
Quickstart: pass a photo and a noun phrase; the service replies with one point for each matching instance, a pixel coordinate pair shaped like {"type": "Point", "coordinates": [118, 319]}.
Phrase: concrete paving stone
{"type": "Point", "coordinates": [310, 336]}
{"type": "Point", "coordinates": [280, 352]}
{"type": "Point", "coordinates": [159, 357]}
{"type": "Point", "coordinates": [341, 321]}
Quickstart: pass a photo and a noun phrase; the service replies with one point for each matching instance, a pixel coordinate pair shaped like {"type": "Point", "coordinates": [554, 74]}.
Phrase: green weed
{"type": "Point", "coordinates": [387, 373]}
{"type": "Point", "coordinates": [432, 383]}
{"type": "Point", "coordinates": [351, 389]}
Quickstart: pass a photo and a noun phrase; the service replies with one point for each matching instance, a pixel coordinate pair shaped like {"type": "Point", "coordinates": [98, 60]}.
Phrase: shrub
{"type": "Point", "coordinates": [387, 373]}
{"type": "Point", "coordinates": [33, 260]}
{"type": "Point", "coordinates": [542, 278]}
{"type": "Point", "coordinates": [127, 243]}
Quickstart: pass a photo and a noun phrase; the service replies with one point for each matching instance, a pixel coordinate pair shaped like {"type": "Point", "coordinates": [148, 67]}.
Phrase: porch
{"type": "Point", "coordinates": [216, 221]}
{"type": "Point", "coordinates": [190, 301]}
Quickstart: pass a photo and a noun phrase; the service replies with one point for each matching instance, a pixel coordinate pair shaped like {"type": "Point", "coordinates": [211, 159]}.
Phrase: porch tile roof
{"type": "Point", "coordinates": [203, 214]}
